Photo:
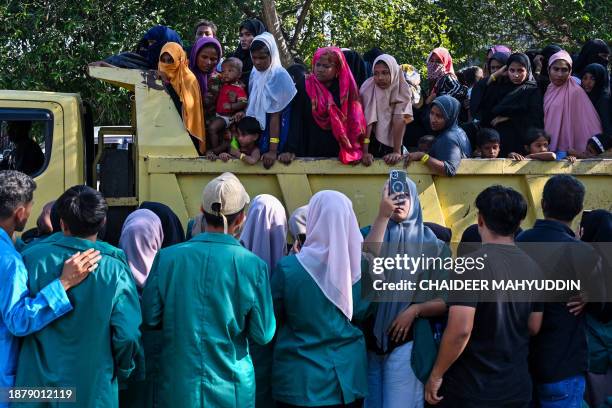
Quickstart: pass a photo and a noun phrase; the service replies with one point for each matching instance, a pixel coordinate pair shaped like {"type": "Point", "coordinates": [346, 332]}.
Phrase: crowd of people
{"type": "Point", "coordinates": [252, 308]}
{"type": "Point", "coordinates": [541, 105]}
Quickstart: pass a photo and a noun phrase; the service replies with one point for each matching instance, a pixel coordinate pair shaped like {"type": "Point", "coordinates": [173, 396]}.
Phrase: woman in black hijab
{"type": "Point", "coordinates": [596, 82]}
{"type": "Point", "coordinates": [593, 52]}
{"type": "Point", "coordinates": [369, 57]}
{"type": "Point", "coordinates": [512, 103]}
{"type": "Point", "coordinates": [171, 225]}
{"type": "Point", "coordinates": [249, 29]}
{"type": "Point", "coordinates": [497, 61]}
{"type": "Point", "coordinates": [357, 66]}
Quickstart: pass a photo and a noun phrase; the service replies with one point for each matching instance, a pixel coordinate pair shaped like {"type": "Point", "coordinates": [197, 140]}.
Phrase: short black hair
{"type": "Point", "coordinates": [248, 125]}
{"type": "Point", "coordinates": [258, 45]}
{"type": "Point", "coordinates": [502, 209]}
{"type": "Point", "coordinates": [563, 197]}
{"type": "Point", "coordinates": [487, 135]}
{"type": "Point", "coordinates": [83, 210]}
{"type": "Point", "coordinates": [217, 221]}
{"type": "Point", "coordinates": [469, 75]}
{"type": "Point", "coordinates": [206, 23]}
{"type": "Point", "coordinates": [534, 134]}
{"type": "Point", "coordinates": [16, 188]}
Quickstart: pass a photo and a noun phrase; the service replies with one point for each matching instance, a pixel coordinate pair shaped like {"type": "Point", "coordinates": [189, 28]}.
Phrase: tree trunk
{"type": "Point", "coordinates": [273, 23]}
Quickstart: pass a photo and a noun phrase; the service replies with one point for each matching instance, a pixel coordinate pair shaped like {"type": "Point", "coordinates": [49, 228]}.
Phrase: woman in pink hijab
{"type": "Point", "coordinates": [387, 104]}
{"type": "Point", "coordinates": [141, 239]}
{"type": "Point", "coordinates": [442, 78]}
{"type": "Point", "coordinates": [569, 117]}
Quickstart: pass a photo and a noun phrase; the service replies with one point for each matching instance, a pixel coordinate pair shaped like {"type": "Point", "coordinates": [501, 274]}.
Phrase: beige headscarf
{"type": "Point", "coordinates": [380, 105]}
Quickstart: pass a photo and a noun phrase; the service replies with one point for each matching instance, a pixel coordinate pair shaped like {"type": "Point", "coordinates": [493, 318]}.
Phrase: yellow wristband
{"type": "Point", "coordinates": [425, 158]}
{"type": "Point", "coordinates": [242, 156]}
{"type": "Point", "coordinates": [366, 140]}
{"type": "Point", "coordinates": [274, 140]}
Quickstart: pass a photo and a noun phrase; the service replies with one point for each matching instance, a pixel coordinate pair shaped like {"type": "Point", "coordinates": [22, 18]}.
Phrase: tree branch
{"type": "Point", "coordinates": [300, 23]}
{"type": "Point", "coordinates": [287, 13]}
{"type": "Point", "coordinates": [243, 7]}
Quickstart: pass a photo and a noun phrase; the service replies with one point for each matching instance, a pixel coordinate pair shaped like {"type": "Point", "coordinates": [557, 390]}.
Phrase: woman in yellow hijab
{"type": "Point", "coordinates": [173, 65]}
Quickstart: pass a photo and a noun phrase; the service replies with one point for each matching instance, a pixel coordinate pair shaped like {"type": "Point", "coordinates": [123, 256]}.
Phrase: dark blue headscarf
{"type": "Point", "coordinates": [161, 35]}
{"type": "Point", "coordinates": [452, 135]}
{"type": "Point", "coordinates": [450, 108]}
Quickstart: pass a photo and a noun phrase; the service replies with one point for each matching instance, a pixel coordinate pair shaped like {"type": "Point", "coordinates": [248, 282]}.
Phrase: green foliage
{"type": "Point", "coordinates": [46, 44]}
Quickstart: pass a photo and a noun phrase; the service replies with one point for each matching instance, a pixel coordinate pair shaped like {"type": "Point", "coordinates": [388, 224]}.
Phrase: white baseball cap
{"type": "Point", "coordinates": [224, 195]}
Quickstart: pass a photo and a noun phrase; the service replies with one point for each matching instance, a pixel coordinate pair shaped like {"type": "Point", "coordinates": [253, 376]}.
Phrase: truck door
{"type": "Point", "coordinates": [32, 141]}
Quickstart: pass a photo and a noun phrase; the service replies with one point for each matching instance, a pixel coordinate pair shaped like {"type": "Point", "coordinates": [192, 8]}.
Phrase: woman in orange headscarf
{"type": "Point", "coordinates": [173, 66]}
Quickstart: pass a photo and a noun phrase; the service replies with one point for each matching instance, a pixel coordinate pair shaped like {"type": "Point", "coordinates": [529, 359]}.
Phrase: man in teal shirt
{"type": "Point", "coordinates": [212, 297]}
{"type": "Point", "coordinates": [95, 345]}
{"type": "Point", "coordinates": [22, 313]}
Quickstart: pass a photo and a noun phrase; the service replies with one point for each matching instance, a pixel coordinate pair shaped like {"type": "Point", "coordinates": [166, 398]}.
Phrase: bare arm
{"type": "Point", "coordinates": [543, 156]}
{"type": "Point", "coordinates": [454, 340]}
{"type": "Point", "coordinates": [252, 158]}
{"type": "Point", "coordinates": [372, 242]}
{"type": "Point", "coordinates": [437, 166]}
{"type": "Point", "coordinates": [398, 330]}
{"type": "Point", "coordinates": [535, 322]}
{"type": "Point", "coordinates": [270, 156]}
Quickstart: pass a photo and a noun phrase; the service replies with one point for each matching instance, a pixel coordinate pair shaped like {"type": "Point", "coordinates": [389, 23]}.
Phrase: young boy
{"type": "Point", "coordinates": [536, 146]}
{"type": "Point", "coordinates": [231, 102]}
{"type": "Point", "coordinates": [598, 145]}
{"type": "Point", "coordinates": [488, 144]}
{"type": "Point", "coordinates": [245, 146]}
{"type": "Point", "coordinates": [425, 142]}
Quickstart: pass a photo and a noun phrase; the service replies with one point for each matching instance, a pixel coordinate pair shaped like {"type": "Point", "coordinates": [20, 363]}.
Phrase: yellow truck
{"type": "Point", "coordinates": [159, 163]}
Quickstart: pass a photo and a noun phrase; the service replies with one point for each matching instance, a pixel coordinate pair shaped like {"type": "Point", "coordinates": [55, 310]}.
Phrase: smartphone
{"type": "Point", "coordinates": [398, 183]}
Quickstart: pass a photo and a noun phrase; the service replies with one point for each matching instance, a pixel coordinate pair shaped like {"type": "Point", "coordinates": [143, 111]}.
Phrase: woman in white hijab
{"type": "Point", "coordinates": [265, 234]}
{"type": "Point", "coordinates": [319, 355]}
{"type": "Point", "coordinates": [271, 90]}
{"type": "Point", "coordinates": [387, 105]}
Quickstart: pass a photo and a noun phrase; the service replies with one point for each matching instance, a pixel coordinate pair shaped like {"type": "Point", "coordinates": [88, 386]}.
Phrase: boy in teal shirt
{"type": "Point", "coordinates": [212, 297]}
{"type": "Point", "coordinates": [97, 343]}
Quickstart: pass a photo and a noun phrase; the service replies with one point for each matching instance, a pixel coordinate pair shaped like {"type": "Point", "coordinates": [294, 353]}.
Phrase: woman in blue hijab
{"type": "Point", "coordinates": [392, 379]}
{"type": "Point", "coordinates": [146, 55]}
{"type": "Point", "coordinates": [451, 145]}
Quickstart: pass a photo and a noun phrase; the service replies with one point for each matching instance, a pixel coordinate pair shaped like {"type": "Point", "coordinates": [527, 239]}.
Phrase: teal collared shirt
{"type": "Point", "coordinates": [319, 355]}
{"type": "Point", "coordinates": [212, 297]}
{"type": "Point", "coordinates": [99, 341]}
